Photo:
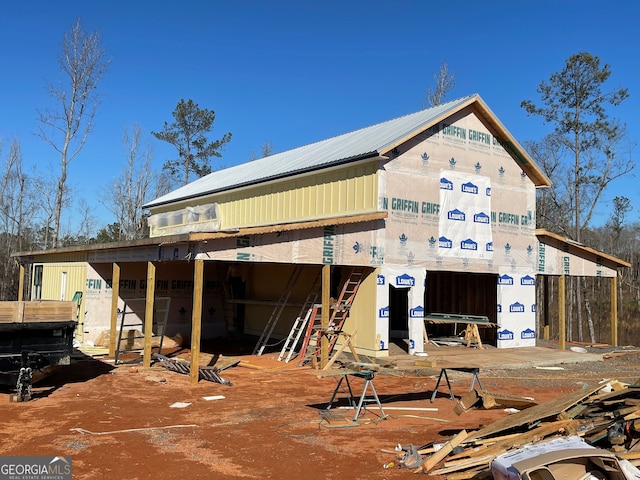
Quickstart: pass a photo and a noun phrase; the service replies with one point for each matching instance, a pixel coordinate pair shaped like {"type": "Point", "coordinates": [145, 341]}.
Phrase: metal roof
{"type": "Point", "coordinates": [367, 142]}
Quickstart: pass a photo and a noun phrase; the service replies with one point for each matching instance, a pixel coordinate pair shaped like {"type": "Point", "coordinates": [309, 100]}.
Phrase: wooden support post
{"type": "Point", "coordinates": [324, 318]}
{"type": "Point", "coordinates": [115, 293]}
{"type": "Point", "coordinates": [196, 320]}
{"type": "Point", "coordinates": [148, 314]}
{"type": "Point", "coordinates": [21, 284]}
{"type": "Point", "coordinates": [614, 311]}
{"type": "Point", "coordinates": [562, 320]}
{"type": "Point", "coordinates": [545, 307]}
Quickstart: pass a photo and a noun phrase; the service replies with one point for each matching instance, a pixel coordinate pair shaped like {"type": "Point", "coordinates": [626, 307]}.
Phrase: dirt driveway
{"type": "Point", "coordinates": [119, 423]}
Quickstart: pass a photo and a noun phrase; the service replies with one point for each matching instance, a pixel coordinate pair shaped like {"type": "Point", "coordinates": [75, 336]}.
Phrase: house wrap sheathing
{"type": "Point", "coordinates": [458, 191]}
{"type": "Point", "coordinates": [439, 206]}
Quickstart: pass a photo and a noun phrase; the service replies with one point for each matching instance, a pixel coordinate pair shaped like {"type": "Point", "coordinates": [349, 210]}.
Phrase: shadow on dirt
{"type": "Point", "coordinates": [48, 380]}
{"type": "Point", "coordinates": [342, 400]}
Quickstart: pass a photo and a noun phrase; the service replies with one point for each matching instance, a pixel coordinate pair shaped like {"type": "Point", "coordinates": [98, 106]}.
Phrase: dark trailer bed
{"type": "Point", "coordinates": [33, 336]}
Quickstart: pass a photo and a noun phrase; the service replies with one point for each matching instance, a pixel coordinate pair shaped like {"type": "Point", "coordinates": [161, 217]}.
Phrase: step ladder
{"type": "Point", "coordinates": [277, 311]}
{"type": "Point", "coordinates": [136, 307]}
{"type": "Point", "coordinates": [301, 321]}
{"type": "Point", "coordinates": [314, 324]}
{"type": "Point", "coordinates": [339, 314]}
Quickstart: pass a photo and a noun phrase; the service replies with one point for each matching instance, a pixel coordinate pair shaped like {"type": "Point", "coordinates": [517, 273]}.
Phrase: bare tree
{"type": "Point", "coordinates": [265, 150]}
{"type": "Point", "coordinates": [554, 204]}
{"type": "Point", "coordinates": [13, 185]}
{"type": "Point", "coordinates": [444, 83]}
{"type": "Point", "coordinates": [43, 184]}
{"type": "Point", "coordinates": [127, 193]}
{"type": "Point", "coordinates": [66, 127]}
{"type": "Point", "coordinates": [87, 224]}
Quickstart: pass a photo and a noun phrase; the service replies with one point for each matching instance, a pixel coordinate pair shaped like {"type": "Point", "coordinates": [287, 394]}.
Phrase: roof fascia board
{"type": "Point", "coordinates": [608, 260]}
{"type": "Point", "coordinates": [510, 143]}
{"type": "Point", "coordinates": [145, 242]}
{"type": "Point", "coordinates": [513, 147]}
{"type": "Point", "coordinates": [26, 257]}
{"type": "Point", "coordinates": [428, 125]}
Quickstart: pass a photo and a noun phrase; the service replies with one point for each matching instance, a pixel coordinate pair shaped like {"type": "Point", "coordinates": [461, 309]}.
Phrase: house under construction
{"type": "Point", "coordinates": [388, 233]}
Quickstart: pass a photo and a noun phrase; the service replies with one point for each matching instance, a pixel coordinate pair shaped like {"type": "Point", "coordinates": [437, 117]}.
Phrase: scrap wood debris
{"type": "Point", "coordinates": [491, 400]}
{"type": "Point", "coordinates": [606, 415]}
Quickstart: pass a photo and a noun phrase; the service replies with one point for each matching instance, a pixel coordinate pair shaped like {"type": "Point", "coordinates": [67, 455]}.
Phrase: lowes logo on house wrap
{"type": "Point", "coordinates": [444, 242]}
{"type": "Point", "coordinates": [456, 215]}
{"type": "Point", "coordinates": [499, 308]}
{"type": "Point", "coordinates": [528, 334]}
{"type": "Point", "coordinates": [383, 312]}
{"type": "Point", "coordinates": [446, 184]}
{"type": "Point", "coordinates": [468, 244]}
{"type": "Point", "coordinates": [488, 192]}
{"type": "Point", "coordinates": [489, 247]}
{"type": "Point", "coordinates": [469, 188]}
{"type": "Point", "coordinates": [417, 312]}
{"type": "Point", "coordinates": [505, 280]}
{"type": "Point", "coordinates": [481, 218]}
{"type": "Point", "coordinates": [516, 307]}
{"type": "Point", "coordinates": [405, 280]}
{"type": "Point", "coordinates": [381, 280]}
{"type": "Point", "coordinates": [505, 335]}
{"type": "Point", "coordinates": [528, 280]}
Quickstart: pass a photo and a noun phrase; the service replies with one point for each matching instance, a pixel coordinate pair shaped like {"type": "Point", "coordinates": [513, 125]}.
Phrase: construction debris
{"type": "Point", "coordinates": [491, 400]}
{"type": "Point", "coordinates": [605, 415]}
{"type": "Point", "coordinates": [204, 373]}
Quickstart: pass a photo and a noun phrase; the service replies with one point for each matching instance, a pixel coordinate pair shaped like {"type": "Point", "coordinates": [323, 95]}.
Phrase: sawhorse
{"type": "Point", "coordinates": [367, 376]}
{"type": "Point", "coordinates": [443, 373]}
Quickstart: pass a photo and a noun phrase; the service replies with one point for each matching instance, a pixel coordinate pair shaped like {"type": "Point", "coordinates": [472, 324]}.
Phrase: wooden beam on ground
{"type": "Point", "coordinates": [113, 324]}
{"type": "Point", "coordinates": [440, 455]}
{"type": "Point", "coordinates": [148, 314]}
{"type": "Point", "coordinates": [196, 319]}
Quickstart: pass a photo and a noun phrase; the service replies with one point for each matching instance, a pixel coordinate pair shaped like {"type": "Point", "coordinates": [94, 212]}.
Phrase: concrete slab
{"type": "Point", "coordinates": [510, 358]}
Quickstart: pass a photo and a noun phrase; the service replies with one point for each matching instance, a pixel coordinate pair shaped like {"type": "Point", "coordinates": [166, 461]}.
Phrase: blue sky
{"type": "Point", "coordinates": [291, 73]}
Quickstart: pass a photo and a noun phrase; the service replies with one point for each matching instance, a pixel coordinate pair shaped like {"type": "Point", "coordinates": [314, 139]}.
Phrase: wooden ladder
{"type": "Point", "coordinates": [339, 314]}
{"type": "Point", "coordinates": [277, 311]}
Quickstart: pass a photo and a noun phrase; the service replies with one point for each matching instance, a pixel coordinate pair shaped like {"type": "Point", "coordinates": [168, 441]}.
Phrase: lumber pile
{"type": "Point", "coordinates": [606, 415]}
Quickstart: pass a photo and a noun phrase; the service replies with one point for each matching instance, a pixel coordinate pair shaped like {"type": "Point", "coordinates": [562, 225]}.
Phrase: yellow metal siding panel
{"type": "Point", "coordinates": [347, 191]}
{"type": "Point", "coordinates": [76, 277]}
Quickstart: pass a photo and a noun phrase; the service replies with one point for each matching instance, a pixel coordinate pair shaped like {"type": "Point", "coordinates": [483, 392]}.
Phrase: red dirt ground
{"type": "Point", "coordinates": [268, 425]}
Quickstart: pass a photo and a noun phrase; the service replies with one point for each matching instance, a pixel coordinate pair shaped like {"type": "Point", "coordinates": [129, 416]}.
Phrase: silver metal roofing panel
{"type": "Point", "coordinates": [366, 142]}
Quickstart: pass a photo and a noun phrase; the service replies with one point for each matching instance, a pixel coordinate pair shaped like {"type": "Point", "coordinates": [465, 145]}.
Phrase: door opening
{"type": "Point", "coordinates": [399, 317]}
